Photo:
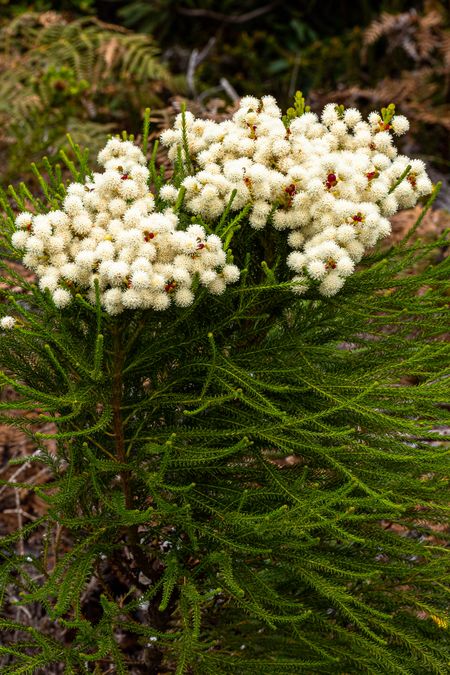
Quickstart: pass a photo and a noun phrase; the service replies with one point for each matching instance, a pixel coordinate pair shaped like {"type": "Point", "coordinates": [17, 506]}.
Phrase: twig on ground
{"type": "Point", "coordinates": [195, 59]}
{"type": "Point", "coordinates": [229, 89]}
{"type": "Point", "coordinates": [23, 513]}
{"type": "Point", "coordinates": [229, 18]}
{"type": "Point", "coordinates": [17, 473]}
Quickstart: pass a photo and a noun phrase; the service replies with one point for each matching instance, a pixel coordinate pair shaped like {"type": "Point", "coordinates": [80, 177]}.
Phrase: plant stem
{"type": "Point", "coordinates": [119, 437]}
{"type": "Point", "coordinates": [145, 564]}
{"type": "Point", "coordinates": [117, 393]}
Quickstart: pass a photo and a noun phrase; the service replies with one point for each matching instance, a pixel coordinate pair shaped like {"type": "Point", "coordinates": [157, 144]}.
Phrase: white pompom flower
{"type": "Point", "coordinates": [7, 322]}
{"type": "Point", "coordinates": [61, 297]}
{"type": "Point", "coordinates": [400, 125]}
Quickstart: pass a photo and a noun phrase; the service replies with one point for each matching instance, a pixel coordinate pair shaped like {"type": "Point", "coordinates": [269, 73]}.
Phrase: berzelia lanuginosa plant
{"type": "Point", "coordinates": [245, 383]}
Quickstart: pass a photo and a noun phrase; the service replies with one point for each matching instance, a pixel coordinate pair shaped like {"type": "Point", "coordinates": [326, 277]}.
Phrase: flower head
{"type": "Point", "coordinates": [7, 322]}
{"type": "Point", "coordinates": [108, 231]}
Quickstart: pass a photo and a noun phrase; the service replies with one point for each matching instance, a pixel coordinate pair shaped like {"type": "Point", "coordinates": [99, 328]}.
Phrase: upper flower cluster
{"type": "Point", "coordinates": [330, 182]}
{"type": "Point", "coordinates": [108, 230]}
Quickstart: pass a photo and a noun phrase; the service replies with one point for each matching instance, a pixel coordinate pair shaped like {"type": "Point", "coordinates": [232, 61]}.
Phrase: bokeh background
{"type": "Point", "coordinates": [90, 67]}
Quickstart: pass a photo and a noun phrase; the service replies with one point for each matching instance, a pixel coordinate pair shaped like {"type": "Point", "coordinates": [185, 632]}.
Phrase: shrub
{"type": "Point", "coordinates": [228, 464]}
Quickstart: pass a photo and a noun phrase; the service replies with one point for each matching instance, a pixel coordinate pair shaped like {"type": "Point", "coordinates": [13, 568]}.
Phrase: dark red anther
{"type": "Point", "coordinates": [148, 236]}
{"type": "Point", "coordinates": [170, 287]}
{"type": "Point", "coordinates": [372, 174]}
{"type": "Point", "coordinates": [330, 264]}
{"type": "Point", "coordinates": [200, 246]}
{"type": "Point", "coordinates": [412, 179]}
{"type": "Point", "coordinates": [357, 218]}
{"type": "Point", "coordinates": [252, 128]}
{"type": "Point", "coordinates": [291, 189]}
{"type": "Point", "coordinates": [125, 176]}
{"type": "Point", "coordinates": [29, 227]}
{"type": "Point", "coordinates": [331, 181]}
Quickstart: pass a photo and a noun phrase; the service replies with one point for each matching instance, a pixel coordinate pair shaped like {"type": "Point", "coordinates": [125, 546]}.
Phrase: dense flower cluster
{"type": "Point", "coordinates": [7, 322]}
{"type": "Point", "coordinates": [331, 182]}
{"type": "Point", "coordinates": [108, 230]}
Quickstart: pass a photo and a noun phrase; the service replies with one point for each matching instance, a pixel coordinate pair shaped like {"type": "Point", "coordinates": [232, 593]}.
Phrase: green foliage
{"type": "Point", "coordinates": [13, 8]}
{"type": "Point", "coordinates": [80, 76]}
{"type": "Point", "coordinates": [270, 47]}
{"type": "Point", "coordinates": [235, 460]}
{"type": "Point", "coordinates": [298, 110]}
{"type": "Point", "coordinates": [388, 113]}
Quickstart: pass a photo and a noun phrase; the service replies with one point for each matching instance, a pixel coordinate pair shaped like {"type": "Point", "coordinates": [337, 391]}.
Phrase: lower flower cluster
{"type": "Point", "coordinates": [331, 183]}
{"type": "Point", "coordinates": [108, 230]}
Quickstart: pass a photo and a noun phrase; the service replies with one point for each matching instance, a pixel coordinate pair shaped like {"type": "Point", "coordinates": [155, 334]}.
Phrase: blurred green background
{"type": "Point", "coordinates": [90, 67]}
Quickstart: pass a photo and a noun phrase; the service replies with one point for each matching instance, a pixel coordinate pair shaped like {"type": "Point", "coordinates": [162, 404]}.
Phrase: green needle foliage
{"type": "Point", "coordinates": [82, 75]}
{"type": "Point", "coordinates": [235, 464]}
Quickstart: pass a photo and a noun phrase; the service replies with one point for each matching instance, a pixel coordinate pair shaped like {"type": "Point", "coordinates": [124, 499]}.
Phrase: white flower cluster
{"type": "Point", "coordinates": [108, 230]}
{"type": "Point", "coordinates": [7, 322]}
{"type": "Point", "coordinates": [330, 182]}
